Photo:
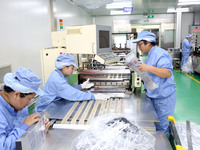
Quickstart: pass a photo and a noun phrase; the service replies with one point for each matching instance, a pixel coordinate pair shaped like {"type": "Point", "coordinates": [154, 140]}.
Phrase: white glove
{"type": "Point", "coordinates": [101, 96]}
{"type": "Point", "coordinates": [87, 84]}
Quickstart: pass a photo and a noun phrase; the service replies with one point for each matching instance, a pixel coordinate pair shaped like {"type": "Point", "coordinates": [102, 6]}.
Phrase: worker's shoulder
{"type": "Point", "coordinates": [3, 112]}
{"type": "Point", "coordinates": [57, 78]}
{"type": "Point", "coordinates": [185, 40]}
{"type": "Point", "coordinates": [160, 51]}
{"type": "Point", "coordinates": [54, 75]}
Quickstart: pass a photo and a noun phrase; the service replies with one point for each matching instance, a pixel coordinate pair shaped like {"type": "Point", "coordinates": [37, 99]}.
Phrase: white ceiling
{"type": "Point", "coordinates": [144, 6]}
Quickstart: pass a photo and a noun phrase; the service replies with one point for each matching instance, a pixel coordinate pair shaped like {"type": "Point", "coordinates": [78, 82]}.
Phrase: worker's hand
{"type": "Point", "coordinates": [143, 67]}
{"type": "Point", "coordinates": [87, 84]}
{"type": "Point", "coordinates": [33, 118]}
{"type": "Point", "coordinates": [47, 124]}
{"type": "Point", "coordinates": [101, 96]}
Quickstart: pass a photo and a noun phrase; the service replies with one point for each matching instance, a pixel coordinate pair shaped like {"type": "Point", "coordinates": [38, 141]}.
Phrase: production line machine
{"type": "Point", "coordinates": [195, 31]}
{"type": "Point", "coordinates": [111, 79]}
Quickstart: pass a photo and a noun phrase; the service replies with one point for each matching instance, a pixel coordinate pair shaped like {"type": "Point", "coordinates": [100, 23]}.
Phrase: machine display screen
{"type": "Point", "coordinates": [104, 41]}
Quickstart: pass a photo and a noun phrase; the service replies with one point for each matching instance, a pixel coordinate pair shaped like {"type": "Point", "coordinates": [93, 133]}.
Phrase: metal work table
{"type": "Point", "coordinates": [61, 139]}
{"type": "Point", "coordinates": [136, 108]}
{"type": "Point", "coordinates": [133, 106]}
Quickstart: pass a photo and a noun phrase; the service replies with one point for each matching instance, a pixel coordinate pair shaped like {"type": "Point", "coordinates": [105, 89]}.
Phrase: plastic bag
{"type": "Point", "coordinates": [194, 62]}
{"type": "Point", "coordinates": [133, 62]}
{"type": "Point", "coordinates": [195, 133]}
{"type": "Point", "coordinates": [188, 67]}
{"type": "Point", "coordinates": [113, 132]}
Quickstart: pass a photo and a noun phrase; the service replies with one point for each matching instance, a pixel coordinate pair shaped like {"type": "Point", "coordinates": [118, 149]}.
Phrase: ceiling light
{"type": "Point", "coordinates": [188, 2]}
{"type": "Point", "coordinates": [170, 10]}
{"type": "Point", "coordinates": [119, 4]}
{"type": "Point", "coordinates": [119, 12]}
{"type": "Point", "coordinates": [184, 1]}
{"type": "Point", "coordinates": [91, 4]}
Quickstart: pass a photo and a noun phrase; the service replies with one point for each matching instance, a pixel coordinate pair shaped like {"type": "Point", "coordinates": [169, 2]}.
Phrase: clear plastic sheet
{"type": "Point", "coordinates": [195, 132]}
{"type": "Point", "coordinates": [113, 132]}
{"type": "Point", "coordinates": [37, 134]}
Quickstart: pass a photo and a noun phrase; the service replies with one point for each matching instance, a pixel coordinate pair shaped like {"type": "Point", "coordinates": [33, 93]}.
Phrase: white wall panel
{"type": "Point", "coordinates": [187, 20]}
{"type": "Point", "coordinates": [24, 31]}
{"type": "Point", "coordinates": [71, 14]}
{"type": "Point", "coordinates": [135, 19]}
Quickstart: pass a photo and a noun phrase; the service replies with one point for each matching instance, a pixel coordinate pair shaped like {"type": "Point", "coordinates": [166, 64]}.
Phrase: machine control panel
{"type": "Point", "coordinates": [107, 58]}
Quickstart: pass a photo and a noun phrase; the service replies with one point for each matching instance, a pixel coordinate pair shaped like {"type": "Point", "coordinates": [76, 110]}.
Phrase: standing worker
{"type": "Point", "coordinates": [19, 89]}
{"type": "Point", "coordinates": [159, 66]}
{"type": "Point", "coordinates": [57, 87]}
{"type": "Point", "coordinates": [186, 49]}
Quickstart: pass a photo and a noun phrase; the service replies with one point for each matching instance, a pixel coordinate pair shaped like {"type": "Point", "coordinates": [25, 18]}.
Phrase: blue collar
{"type": "Point", "coordinates": [8, 107]}
{"type": "Point", "coordinates": [151, 50]}
{"type": "Point", "coordinates": [60, 73]}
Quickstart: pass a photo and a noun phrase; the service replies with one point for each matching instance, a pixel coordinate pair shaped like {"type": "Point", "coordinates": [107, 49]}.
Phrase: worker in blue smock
{"type": "Point", "coordinates": [19, 89]}
{"type": "Point", "coordinates": [159, 66]}
{"type": "Point", "coordinates": [186, 49]}
{"type": "Point", "coordinates": [57, 87]}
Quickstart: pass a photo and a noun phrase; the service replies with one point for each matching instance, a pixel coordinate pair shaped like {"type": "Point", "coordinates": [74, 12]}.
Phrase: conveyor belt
{"type": "Point", "coordinates": [87, 110]}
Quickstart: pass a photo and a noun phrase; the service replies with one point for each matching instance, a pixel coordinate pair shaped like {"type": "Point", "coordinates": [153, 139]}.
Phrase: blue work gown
{"type": "Point", "coordinates": [164, 97]}
{"type": "Point", "coordinates": [186, 50]}
{"type": "Point", "coordinates": [11, 125]}
{"type": "Point", "coordinates": [57, 88]}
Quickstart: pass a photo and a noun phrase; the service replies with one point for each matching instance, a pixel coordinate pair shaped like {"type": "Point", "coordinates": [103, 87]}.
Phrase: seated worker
{"type": "Point", "coordinates": [57, 86]}
{"type": "Point", "coordinates": [159, 67]}
{"type": "Point", "coordinates": [19, 89]}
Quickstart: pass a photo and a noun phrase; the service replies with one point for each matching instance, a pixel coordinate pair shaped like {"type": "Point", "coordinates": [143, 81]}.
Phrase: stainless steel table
{"type": "Point", "coordinates": [136, 108]}
{"type": "Point", "coordinates": [61, 139]}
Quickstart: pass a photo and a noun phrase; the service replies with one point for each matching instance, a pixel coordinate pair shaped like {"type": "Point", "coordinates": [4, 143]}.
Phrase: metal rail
{"type": "Point", "coordinates": [87, 110]}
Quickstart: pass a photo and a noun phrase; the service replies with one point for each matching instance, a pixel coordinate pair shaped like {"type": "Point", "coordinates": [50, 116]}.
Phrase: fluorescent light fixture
{"type": "Point", "coordinates": [188, 2]}
{"type": "Point", "coordinates": [119, 12]}
{"type": "Point", "coordinates": [119, 4]}
{"type": "Point", "coordinates": [185, 1]}
{"type": "Point", "coordinates": [170, 10]}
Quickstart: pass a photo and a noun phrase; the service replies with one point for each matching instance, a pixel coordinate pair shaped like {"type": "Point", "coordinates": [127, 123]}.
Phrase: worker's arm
{"type": "Point", "coordinates": [187, 44]}
{"type": "Point", "coordinates": [9, 136]}
{"type": "Point", "coordinates": [161, 72]}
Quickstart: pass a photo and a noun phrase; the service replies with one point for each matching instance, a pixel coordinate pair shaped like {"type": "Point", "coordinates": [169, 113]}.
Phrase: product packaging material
{"type": "Point", "coordinates": [113, 132]}
{"type": "Point", "coordinates": [195, 135]}
{"type": "Point", "coordinates": [133, 62]}
{"type": "Point", "coordinates": [37, 134]}
{"type": "Point", "coordinates": [188, 66]}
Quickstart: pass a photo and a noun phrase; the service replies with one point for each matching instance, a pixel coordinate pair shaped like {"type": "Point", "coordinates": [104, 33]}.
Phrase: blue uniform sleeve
{"type": "Point", "coordinates": [187, 44]}
{"type": "Point", "coordinates": [68, 92]}
{"type": "Point", "coordinates": [165, 62]}
{"type": "Point", "coordinates": [77, 86]}
{"type": "Point", "coordinates": [8, 138]}
{"type": "Point", "coordinates": [24, 127]}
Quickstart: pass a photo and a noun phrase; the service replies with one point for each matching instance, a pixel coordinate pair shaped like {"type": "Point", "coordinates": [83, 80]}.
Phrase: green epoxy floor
{"type": "Point", "coordinates": [188, 97]}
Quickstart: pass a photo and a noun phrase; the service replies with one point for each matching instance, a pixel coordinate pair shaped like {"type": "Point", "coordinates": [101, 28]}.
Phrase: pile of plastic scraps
{"type": "Point", "coordinates": [113, 132]}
